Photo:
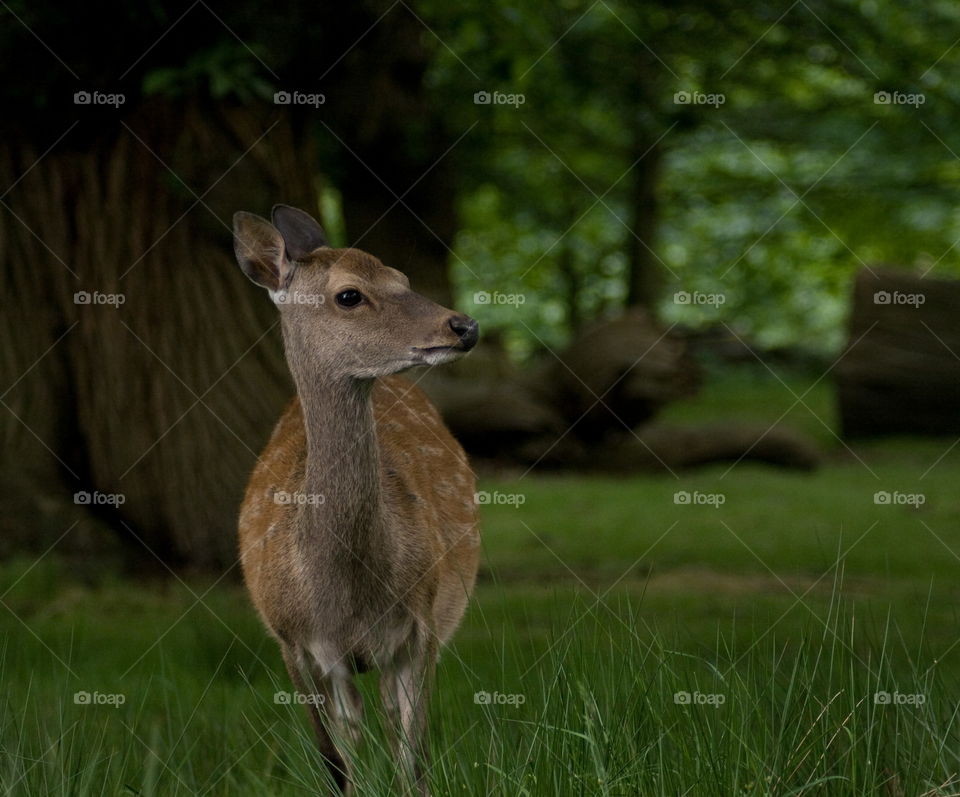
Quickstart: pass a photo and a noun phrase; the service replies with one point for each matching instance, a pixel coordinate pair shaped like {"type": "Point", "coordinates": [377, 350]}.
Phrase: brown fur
{"type": "Point", "coordinates": [372, 564]}
{"type": "Point", "coordinates": [414, 445]}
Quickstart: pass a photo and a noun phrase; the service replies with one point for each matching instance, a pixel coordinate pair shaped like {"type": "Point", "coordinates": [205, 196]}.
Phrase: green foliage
{"type": "Point", "coordinates": [228, 69]}
{"type": "Point", "coordinates": [773, 198]}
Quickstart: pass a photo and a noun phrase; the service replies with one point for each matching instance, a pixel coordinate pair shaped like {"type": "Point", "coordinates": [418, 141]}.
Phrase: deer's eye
{"type": "Point", "coordinates": [350, 298]}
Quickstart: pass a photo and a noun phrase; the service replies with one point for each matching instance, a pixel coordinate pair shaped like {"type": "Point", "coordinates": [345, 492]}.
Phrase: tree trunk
{"type": "Point", "coordinates": [389, 148]}
{"type": "Point", "coordinates": [644, 270]}
{"type": "Point", "coordinates": [415, 236]}
{"type": "Point", "coordinates": [644, 275]}
{"type": "Point", "coordinates": [167, 399]}
{"type": "Point", "coordinates": [165, 373]}
{"type": "Point", "coordinates": [571, 281]}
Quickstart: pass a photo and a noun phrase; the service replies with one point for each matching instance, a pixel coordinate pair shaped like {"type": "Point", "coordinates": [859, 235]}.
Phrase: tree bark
{"type": "Point", "coordinates": [645, 277]}
{"type": "Point", "coordinates": [391, 153]}
{"type": "Point", "coordinates": [572, 285]}
{"type": "Point", "coordinates": [415, 236]}
{"type": "Point", "coordinates": [165, 394]}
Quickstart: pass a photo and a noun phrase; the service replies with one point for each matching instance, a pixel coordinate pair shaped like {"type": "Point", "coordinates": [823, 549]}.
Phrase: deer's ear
{"type": "Point", "coordinates": [260, 251]}
{"type": "Point", "coordinates": [302, 234]}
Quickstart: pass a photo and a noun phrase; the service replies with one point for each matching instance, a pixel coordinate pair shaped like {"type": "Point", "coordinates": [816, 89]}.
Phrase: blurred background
{"type": "Point", "coordinates": [632, 199]}
{"type": "Point", "coordinates": [712, 247]}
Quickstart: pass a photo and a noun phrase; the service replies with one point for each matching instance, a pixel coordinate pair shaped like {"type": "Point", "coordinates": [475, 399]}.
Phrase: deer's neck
{"type": "Point", "coordinates": [342, 509]}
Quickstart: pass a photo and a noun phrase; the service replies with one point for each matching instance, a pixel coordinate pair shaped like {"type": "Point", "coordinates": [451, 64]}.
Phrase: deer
{"type": "Point", "coordinates": [358, 531]}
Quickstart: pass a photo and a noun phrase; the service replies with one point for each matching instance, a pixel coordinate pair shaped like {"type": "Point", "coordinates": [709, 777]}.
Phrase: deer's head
{"type": "Point", "coordinates": [343, 308]}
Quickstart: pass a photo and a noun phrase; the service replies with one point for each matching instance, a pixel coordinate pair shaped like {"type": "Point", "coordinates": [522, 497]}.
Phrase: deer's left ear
{"type": "Point", "coordinates": [302, 234]}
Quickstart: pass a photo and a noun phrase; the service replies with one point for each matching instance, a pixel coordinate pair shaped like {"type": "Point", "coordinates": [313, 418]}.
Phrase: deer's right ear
{"type": "Point", "coordinates": [260, 251]}
{"type": "Point", "coordinates": [302, 234]}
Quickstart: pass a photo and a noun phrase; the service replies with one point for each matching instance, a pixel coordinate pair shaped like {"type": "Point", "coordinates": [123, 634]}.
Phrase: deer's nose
{"type": "Point", "coordinates": [466, 329]}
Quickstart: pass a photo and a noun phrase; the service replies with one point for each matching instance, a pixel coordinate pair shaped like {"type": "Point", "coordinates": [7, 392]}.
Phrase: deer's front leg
{"type": "Point", "coordinates": [405, 689]}
{"type": "Point", "coordinates": [320, 694]}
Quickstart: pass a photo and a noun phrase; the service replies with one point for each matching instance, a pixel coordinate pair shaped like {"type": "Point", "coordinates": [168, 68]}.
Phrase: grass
{"type": "Point", "coordinates": [783, 613]}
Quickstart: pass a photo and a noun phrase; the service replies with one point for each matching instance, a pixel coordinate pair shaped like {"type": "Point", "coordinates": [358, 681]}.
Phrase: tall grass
{"type": "Point", "coordinates": [604, 704]}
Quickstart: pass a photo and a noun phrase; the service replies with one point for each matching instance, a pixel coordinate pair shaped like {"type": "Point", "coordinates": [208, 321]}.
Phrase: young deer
{"type": "Point", "coordinates": [358, 530]}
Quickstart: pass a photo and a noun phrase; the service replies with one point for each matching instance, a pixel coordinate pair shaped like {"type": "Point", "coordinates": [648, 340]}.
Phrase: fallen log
{"type": "Point", "coordinates": [666, 447]}
{"type": "Point", "coordinates": [618, 373]}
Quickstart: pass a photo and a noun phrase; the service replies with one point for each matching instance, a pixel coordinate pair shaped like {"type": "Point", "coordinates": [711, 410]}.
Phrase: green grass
{"type": "Point", "coordinates": [783, 611]}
